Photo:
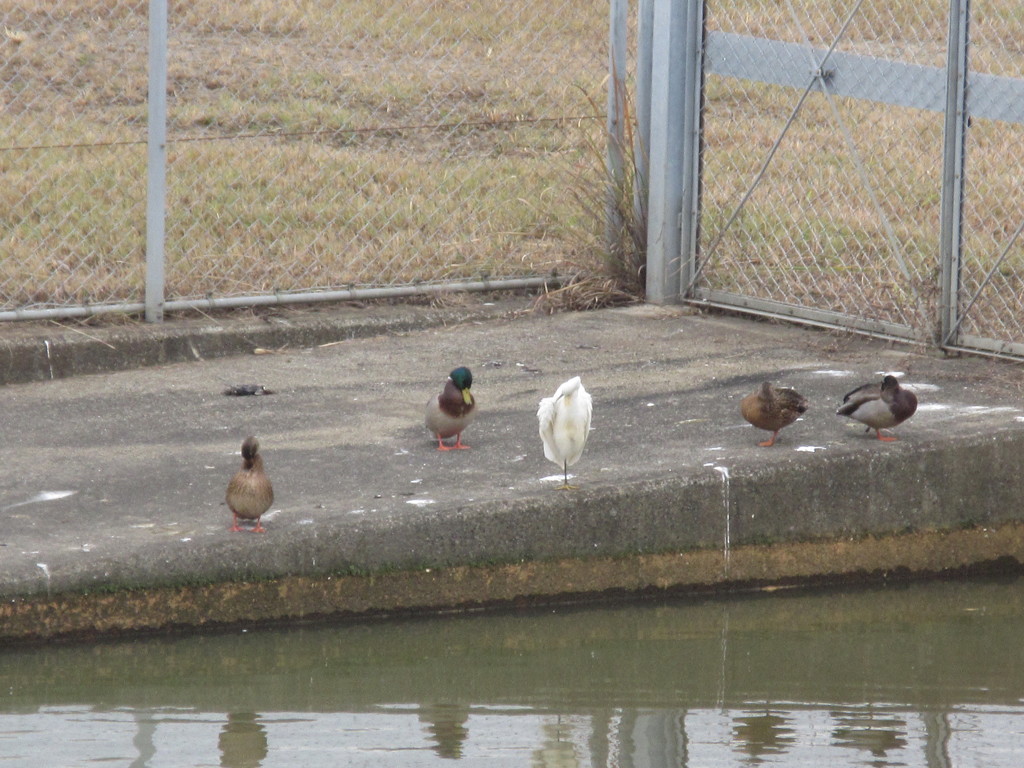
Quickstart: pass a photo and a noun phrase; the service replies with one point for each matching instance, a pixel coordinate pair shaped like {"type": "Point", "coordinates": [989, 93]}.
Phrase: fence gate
{"type": "Point", "coordinates": [853, 172]}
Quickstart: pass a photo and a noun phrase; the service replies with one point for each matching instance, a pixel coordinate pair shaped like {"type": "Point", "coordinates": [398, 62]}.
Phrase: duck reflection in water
{"type": "Point", "coordinates": [766, 733]}
{"type": "Point", "coordinates": [243, 741]}
{"type": "Point", "coordinates": [877, 733]}
{"type": "Point", "coordinates": [447, 724]}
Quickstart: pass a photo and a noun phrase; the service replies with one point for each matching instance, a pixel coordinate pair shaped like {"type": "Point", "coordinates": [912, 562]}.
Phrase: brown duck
{"type": "Point", "coordinates": [451, 411]}
{"type": "Point", "coordinates": [772, 408]}
{"type": "Point", "coordinates": [880, 406]}
{"type": "Point", "coordinates": [250, 493]}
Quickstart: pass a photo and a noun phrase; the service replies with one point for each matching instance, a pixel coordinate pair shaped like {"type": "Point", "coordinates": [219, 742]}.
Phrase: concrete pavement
{"type": "Point", "coordinates": [111, 497]}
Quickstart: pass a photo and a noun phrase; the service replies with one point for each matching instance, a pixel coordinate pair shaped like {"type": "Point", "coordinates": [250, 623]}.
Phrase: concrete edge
{"type": "Point", "coordinates": [912, 509]}
{"type": "Point", "coordinates": [961, 481]}
{"type": "Point", "coordinates": [292, 599]}
{"type": "Point", "coordinates": [55, 351]}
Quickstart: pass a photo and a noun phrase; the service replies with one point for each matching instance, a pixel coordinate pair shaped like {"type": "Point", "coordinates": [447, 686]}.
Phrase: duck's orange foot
{"type": "Point", "coordinates": [769, 443]}
{"type": "Point", "coordinates": [236, 528]}
{"type": "Point", "coordinates": [886, 438]}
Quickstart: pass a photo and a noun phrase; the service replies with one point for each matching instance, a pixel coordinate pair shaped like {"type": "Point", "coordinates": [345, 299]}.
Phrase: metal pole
{"type": "Point", "coordinates": [616, 138]}
{"type": "Point", "coordinates": [953, 160]}
{"type": "Point", "coordinates": [666, 161]}
{"type": "Point", "coordinates": [642, 107]}
{"type": "Point", "coordinates": [156, 186]}
{"type": "Point", "coordinates": [693, 95]}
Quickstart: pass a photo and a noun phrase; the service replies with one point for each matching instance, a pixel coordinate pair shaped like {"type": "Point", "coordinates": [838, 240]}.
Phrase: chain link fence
{"type": "Point", "coordinates": [72, 152]}
{"type": "Point", "coordinates": [849, 177]}
{"type": "Point", "coordinates": [310, 146]}
{"type": "Point", "coordinates": [992, 276]}
{"type": "Point", "coordinates": [831, 181]}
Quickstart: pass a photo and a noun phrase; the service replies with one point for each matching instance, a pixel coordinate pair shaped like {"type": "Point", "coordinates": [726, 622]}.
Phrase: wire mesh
{"type": "Point", "coordinates": [72, 116]}
{"type": "Point", "coordinates": [814, 199]}
{"type": "Point", "coordinates": [992, 271]}
{"type": "Point", "coordinates": [817, 199]}
{"type": "Point", "coordinates": [310, 145]}
{"type": "Point", "coordinates": [318, 146]}
{"type": "Point", "coordinates": [344, 145]}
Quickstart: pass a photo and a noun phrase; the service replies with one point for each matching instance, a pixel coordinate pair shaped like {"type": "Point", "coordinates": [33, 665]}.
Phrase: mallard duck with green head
{"type": "Point", "coordinates": [880, 406]}
{"type": "Point", "coordinates": [250, 493]}
{"type": "Point", "coordinates": [772, 408]}
{"type": "Point", "coordinates": [451, 411]}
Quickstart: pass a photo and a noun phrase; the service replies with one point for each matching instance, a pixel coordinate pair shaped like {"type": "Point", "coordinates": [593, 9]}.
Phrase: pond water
{"type": "Point", "coordinates": [928, 675]}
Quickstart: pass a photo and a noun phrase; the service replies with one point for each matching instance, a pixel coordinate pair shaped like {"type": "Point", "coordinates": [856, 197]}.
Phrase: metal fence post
{"type": "Point", "coordinates": [616, 128]}
{"type": "Point", "coordinates": [642, 107]}
{"type": "Point", "coordinates": [693, 80]}
{"type": "Point", "coordinates": [156, 164]}
{"type": "Point", "coordinates": [954, 132]}
{"type": "Point", "coordinates": [666, 159]}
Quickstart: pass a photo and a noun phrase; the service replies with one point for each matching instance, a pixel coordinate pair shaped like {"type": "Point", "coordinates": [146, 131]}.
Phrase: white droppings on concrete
{"type": "Point", "coordinates": [810, 448]}
{"type": "Point", "coordinates": [46, 572]}
{"type": "Point", "coordinates": [420, 502]}
{"type": "Point", "coordinates": [984, 410]}
{"type": "Point", "coordinates": [49, 359]}
{"type": "Point", "coordinates": [724, 472]}
{"type": "Point", "coordinates": [41, 496]}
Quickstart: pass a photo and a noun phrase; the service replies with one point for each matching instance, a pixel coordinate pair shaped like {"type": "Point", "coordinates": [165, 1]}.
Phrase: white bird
{"type": "Point", "coordinates": [564, 425]}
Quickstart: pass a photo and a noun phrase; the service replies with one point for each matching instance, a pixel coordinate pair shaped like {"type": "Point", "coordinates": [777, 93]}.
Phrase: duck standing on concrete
{"type": "Point", "coordinates": [451, 411]}
{"type": "Point", "coordinates": [250, 493]}
{"type": "Point", "coordinates": [772, 408]}
{"type": "Point", "coordinates": [564, 425]}
{"type": "Point", "coordinates": [880, 406]}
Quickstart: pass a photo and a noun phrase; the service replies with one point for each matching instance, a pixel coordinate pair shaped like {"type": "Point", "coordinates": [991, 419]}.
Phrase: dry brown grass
{"type": "Point", "coordinates": [312, 145]}
{"type": "Point", "coordinates": [811, 233]}
{"type": "Point", "coordinates": [338, 144]}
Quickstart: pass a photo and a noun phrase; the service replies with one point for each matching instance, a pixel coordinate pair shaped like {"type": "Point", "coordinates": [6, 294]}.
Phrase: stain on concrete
{"type": "Point", "coordinates": [434, 590]}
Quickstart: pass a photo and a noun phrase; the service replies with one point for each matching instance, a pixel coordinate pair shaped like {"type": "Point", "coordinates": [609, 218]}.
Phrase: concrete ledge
{"type": "Point", "coordinates": [47, 351]}
{"type": "Point", "coordinates": [826, 520]}
{"type": "Point", "coordinates": [674, 492]}
{"type": "Point", "coordinates": [298, 598]}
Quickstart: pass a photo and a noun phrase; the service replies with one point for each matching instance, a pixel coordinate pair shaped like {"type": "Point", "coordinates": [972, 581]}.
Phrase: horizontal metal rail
{"type": "Point", "coordinates": [232, 302]}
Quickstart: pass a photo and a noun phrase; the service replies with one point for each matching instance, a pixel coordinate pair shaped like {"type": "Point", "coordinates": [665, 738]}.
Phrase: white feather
{"type": "Point", "coordinates": [565, 422]}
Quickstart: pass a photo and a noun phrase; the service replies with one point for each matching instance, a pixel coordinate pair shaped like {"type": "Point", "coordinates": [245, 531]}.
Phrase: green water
{"type": "Point", "coordinates": [927, 675]}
